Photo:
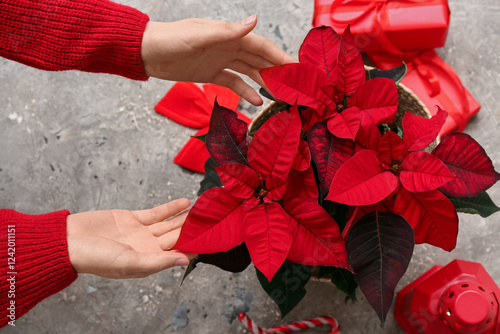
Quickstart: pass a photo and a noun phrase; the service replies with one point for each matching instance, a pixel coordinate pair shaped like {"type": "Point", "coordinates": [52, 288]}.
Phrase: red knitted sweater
{"type": "Point", "coordinates": [86, 35]}
{"type": "Point", "coordinates": [34, 261]}
{"type": "Point", "coordinates": [56, 35]}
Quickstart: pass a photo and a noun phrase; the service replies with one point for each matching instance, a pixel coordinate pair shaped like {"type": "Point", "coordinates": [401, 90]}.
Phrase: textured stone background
{"type": "Point", "coordinates": [85, 142]}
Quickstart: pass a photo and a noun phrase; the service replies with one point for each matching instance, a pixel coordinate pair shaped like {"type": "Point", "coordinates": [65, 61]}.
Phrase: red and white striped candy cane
{"type": "Point", "coordinates": [298, 326]}
{"type": "Point", "coordinates": [250, 324]}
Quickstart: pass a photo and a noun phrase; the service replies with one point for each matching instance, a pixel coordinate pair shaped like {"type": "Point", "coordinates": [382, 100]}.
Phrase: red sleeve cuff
{"type": "Point", "coordinates": [41, 265]}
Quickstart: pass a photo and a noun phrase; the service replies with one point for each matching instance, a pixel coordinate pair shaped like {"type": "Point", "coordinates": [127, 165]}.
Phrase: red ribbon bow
{"type": "Point", "coordinates": [186, 104]}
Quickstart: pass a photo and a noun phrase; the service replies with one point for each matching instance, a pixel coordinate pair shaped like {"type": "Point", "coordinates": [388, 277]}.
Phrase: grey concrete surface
{"type": "Point", "coordinates": [87, 142]}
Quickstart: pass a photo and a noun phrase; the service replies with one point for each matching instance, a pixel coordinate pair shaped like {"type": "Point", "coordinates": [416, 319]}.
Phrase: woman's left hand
{"type": "Point", "coordinates": [127, 244]}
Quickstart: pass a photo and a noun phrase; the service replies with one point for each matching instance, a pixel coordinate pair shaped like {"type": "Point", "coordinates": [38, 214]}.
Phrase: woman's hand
{"type": "Point", "coordinates": [127, 244]}
{"type": "Point", "coordinates": [200, 50]}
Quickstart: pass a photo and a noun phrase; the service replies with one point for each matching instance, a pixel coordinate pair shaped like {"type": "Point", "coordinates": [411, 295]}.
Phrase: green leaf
{"type": "Point", "coordinates": [235, 260]}
{"type": "Point", "coordinates": [227, 137]}
{"type": "Point", "coordinates": [266, 94]}
{"type": "Point", "coordinates": [191, 266]}
{"type": "Point", "coordinates": [399, 131]}
{"type": "Point", "coordinates": [330, 207]}
{"type": "Point", "coordinates": [397, 73]}
{"type": "Point", "coordinates": [211, 179]}
{"type": "Point", "coordinates": [481, 205]}
{"type": "Point", "coordinates": [341, 215]}
{"type": "Point", "coordinates": [343, 279]}
{"type": "Point", "coordinates": [338, 211]}
{"type": "Point", "coordinates": [384, 128]}
{"type": "Point", "coordinates": [202, 137]}
{"type": "Point", "coordinates": [287, 287]}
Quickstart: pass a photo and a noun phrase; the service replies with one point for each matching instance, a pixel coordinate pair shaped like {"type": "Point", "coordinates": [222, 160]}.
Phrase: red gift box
{"type": "Point", "coordinates": [387, 25]}
{"type": "Point", "coordinates": [435, 83]}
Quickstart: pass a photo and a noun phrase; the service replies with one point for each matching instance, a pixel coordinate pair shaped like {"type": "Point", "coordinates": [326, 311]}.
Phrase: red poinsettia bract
{"type": "Point", "coordinates": [255, 206]}
{"type": "Point", "coordinates": [399, 166]}
{"type": "Point", "coordinates": [457, 167]}
{"type": "Point", "coordinates": [330, 70]}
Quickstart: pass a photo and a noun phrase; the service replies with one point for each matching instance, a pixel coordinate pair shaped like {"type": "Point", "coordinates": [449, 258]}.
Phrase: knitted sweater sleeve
{"type": "Point", "coordinates": [34, 261]}
{"type": "Point", "coordinates": [86, 35]}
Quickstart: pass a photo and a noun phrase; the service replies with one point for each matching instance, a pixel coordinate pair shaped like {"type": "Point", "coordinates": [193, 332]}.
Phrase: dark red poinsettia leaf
{"type": "Point", "coordinates": [317, 240]}
{"type": "Point", "coordinates": [243, 118]}
{"type": "Point", "coordinates": [379, 247]}
{"type": "Point", "coordinates": [377, 97]}
{"type": "Point", "coordinates": [292, 83]}
{"type": "Point", "coordinates": [309, 117]}
{"type": "Point", "coordinates": [350, 68]}
{"type": "Point", "coordinates": [469, 162]}
{"type": "Point", "coordinates": [391, 149]}
{"type": "Point", "coordinates": [302, 159]}
{"type": "Point", "coordinates": [240, 180]}
{"type": "Point", "coordinates": [345, 124]}
{"type": "Point", "coordinates": [194, 153]}
{"type": "Point", "coordinates": [274, 146]}
{"type": "Point", "coordinates": [227, 137]}
{"type": "Point", "coordinates": [214, 224]}
{"type": "Point", "coordinates": [424, 172]}
{"type": "Point", "coordinates": [368, 137]}
{"type": "Point", "coordinates": [432, 216]}
{"type": "Point", "coordinates": [224, 96]}
{"type": "Point", "coordinates": [276, 187]}
{"type": "Point", "coordinates": [328, 153]}
{"type": "Point", "coordinates": [419, 131]}
{"type": "Point", "coordinates": [186, 104]}
{"type": "Point", "coordinates": [301, 185]}
{"type": "Point", "coordinates": [321, 48]}
{"type": "Point", "coordinates": [362, 180]}
{"type": "Point", "coordinates": [268, 237]}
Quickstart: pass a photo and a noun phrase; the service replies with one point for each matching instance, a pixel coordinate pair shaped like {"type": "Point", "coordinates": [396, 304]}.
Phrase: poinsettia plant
{"type": "Point", "coordinates": [328, 186]}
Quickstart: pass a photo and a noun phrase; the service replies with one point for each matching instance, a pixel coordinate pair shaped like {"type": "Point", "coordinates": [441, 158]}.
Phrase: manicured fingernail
{"type": "Point", "coordinates": [249, 20]}
{"type": "Point", "coordinates": [181, 262]}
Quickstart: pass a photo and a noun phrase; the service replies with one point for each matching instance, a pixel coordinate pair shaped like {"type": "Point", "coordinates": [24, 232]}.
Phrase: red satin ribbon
{"type": "Point", "coordinates": [429, 78]}
{"type": "Point", "coordinates": [190, 106]}
{"type": "Point", "coordinates": [423, 63]}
